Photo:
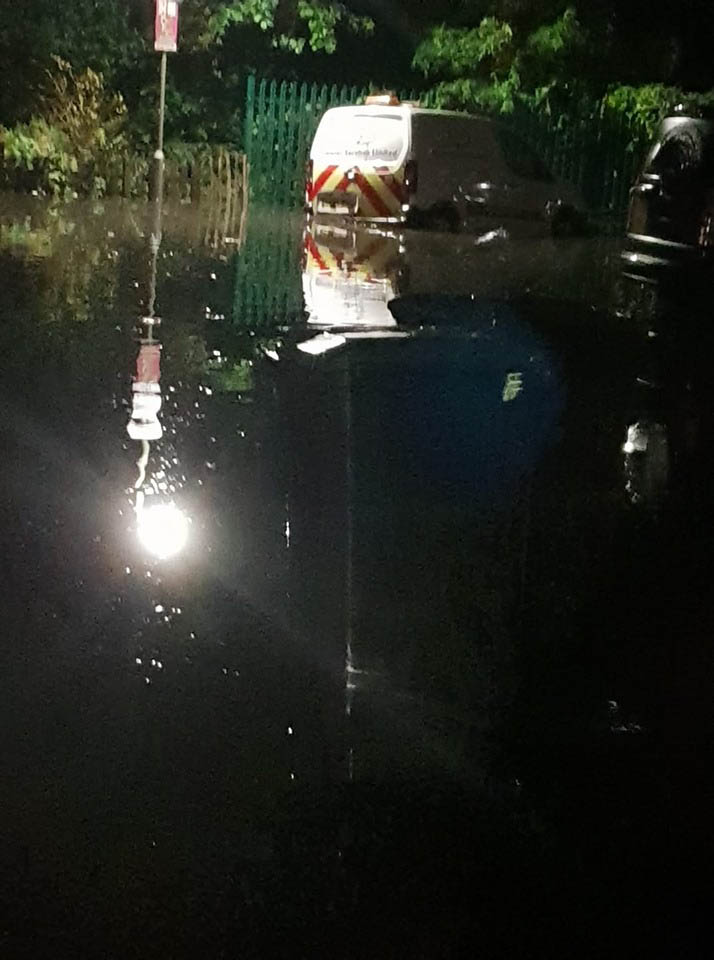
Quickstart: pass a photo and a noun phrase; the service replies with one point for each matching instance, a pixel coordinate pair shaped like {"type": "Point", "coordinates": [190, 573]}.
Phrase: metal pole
{"type": "Point", "coordinates": [158, 177]}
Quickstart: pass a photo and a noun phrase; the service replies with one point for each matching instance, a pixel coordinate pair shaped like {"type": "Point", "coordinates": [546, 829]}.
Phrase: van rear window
{"type": "Point", "coordinates": [374, 137]}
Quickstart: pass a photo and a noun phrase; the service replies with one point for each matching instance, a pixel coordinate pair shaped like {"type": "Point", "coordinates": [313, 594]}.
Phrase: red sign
{"type": "Point", "coordinates": [166, 26]}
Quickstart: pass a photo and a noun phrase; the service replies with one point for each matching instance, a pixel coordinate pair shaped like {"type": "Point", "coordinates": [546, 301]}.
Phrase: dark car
{"type": "Point", "coordinates": [672, 202]}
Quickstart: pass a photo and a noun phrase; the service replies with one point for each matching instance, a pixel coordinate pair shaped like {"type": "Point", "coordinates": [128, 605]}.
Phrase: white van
{"type": "Point", "coordinates": [397, 162]}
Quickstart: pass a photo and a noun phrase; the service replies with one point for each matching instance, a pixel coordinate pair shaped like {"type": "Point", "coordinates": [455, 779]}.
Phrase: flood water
{"type": "Point", "coordinates": [391, 641]}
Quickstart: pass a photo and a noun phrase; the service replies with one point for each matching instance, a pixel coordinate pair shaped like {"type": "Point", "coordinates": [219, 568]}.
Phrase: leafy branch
{"type": "Point", "coordinates": [312, 23]}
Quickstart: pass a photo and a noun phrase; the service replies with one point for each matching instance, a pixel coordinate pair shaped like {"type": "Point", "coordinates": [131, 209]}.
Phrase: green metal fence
{"type": "Point", "coordinates": [595, 151]}
{"type": "Point", "coordinates": [280, 122]}
{"type": "Point", "coordinates": [268, 287]}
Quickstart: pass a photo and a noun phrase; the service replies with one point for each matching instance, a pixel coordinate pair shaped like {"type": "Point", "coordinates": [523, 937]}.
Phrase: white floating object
{"type": "Point", "coordinates": [322, 344]}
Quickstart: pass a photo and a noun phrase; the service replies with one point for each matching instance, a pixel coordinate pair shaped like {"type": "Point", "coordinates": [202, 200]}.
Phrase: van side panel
{"type": "Point", "coordinates": [450, 151]}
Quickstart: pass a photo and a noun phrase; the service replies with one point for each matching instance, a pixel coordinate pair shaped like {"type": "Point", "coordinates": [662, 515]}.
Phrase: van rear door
{"type": "Point", "coordinates": [358, 158]}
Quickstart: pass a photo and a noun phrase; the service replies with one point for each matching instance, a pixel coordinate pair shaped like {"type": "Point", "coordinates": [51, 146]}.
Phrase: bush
{"type": "Point", "coordinates": [644, 106]}
{"type": "Point", "coordinates": [38, 156]}
{"type": "Point", "coordinates": [67, 149]}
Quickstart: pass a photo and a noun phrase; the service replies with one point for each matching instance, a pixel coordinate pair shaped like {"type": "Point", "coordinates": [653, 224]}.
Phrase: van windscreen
{"type": "Point", "coordinates": [377, 138]}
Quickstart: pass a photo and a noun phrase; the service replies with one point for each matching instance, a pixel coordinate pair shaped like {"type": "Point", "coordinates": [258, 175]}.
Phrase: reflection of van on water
{"type": "Point", "coordinates": [349, 278]}
{"type": "Point", "coordinates": [396, 162]}
{"type": "Point", "coordinates": [352, 275]}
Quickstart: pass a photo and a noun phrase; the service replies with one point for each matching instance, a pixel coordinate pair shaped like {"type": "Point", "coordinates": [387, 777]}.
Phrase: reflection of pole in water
{"type": "Point", "coordinates": [146, 392]}
{"type": "Point", "coordinates": [144, 424]}
{"type": "Point", "coordinates": [154, 245]}
{"type": "Point", "coordinates": [162, 528]}
{"type": "Point", "coordinates": [349, 620]}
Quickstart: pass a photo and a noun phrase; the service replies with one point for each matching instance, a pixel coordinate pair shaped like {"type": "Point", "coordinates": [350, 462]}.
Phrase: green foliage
{"type": "Point", "coordinates": [91, 117]}
{"type": "Point", "coordinates": [40, 155]}
{"type": "Point", "coordinates": [552, 67]}
{"type": "Point", "coordinates": [644, 106]}
{"type": "Point", "coordinates": [305, 23]}
{"type": "Point", "coordinates": [559, 66]}
{"type": "Point", "coordinates": [21, 238]}
{"type": "Point", "coordinates": [493, 65]}
{"type": "Point", "coordinates": [106, 36]}
{"type": "Point", "coordinates": [258, 12]}
{"type": "Point", "coordinates": [496, 96]}
{"type": "Point", "coordinates": [552, 56]}
{"type": "Point", "coordinates": [67, 147]}
{"type": "Point", "coordinates": [321, 23]}
{"type": "Point", "coordinates": [234, 378]}
{"type": "Point", "coordinates": [563, 36]}
{"type": "Point", "coordinates": [457, 52]}
{"type": "Point", "coordinates": [219, 42]}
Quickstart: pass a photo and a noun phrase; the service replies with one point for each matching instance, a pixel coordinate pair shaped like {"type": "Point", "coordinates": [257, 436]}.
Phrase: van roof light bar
{"type": "Point", "coordinates": [388, 99]}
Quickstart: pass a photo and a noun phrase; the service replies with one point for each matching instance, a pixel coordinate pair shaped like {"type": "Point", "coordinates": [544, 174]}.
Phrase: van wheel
{"type": "Point", "coordinates": [444, 218]}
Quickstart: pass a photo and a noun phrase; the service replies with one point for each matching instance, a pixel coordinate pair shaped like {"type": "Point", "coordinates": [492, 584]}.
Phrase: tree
{"type": "Point", "coordinates": [494, 64]}
{"type": "Point", "coordinates": [219, 41]}
{"type": "Point", "coordinates": [629, 42]}
{"type": "Point", "coordinates": [105, 37]}
{"type": "Point", "coordinates": [292, 25]}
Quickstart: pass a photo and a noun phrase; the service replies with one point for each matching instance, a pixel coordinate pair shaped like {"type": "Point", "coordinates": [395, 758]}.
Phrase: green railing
{"type": "Point", "coordinates": [280, 122]}
{"type": "Point", "coordinates": [268, 288]}
{"type": "Point", "coordinates": [595, 151]}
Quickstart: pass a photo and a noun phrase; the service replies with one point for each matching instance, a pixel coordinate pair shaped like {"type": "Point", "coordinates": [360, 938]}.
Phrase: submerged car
{"type": "Point", "coordinates": [671, 209]}
{"type": "Point", "coordinates": [393, 162]}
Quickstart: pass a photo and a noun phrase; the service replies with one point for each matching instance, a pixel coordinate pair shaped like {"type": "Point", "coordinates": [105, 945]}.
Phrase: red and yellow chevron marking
{"type": "Point", "coordinates": [372, 260]}
{"type": "Point", "coordinates": [317, 257]}
{"type": "Point", "coordinates": [381, 193]}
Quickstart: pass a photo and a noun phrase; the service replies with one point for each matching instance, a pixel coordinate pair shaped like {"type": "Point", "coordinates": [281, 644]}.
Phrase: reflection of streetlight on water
{"type": "Point", "coordinates": [162, 529]}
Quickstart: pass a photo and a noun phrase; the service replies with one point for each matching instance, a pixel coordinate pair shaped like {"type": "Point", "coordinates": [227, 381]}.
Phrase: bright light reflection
{"type": "Point", "coordinates": [321, 344]}
{"type": "Point", "coordinates": [162, 529]}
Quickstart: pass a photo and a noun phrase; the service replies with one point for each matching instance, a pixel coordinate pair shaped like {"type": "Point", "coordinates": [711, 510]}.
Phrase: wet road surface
{"type": "Point", "coordinates": [394, 646]}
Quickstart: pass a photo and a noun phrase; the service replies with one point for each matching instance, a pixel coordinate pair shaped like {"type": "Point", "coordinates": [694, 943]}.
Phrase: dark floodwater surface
{"type": "Point", "coordinates": [396, 649]}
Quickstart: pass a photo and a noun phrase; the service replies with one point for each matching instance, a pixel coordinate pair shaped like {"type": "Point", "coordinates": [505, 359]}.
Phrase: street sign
{"type": "Point", "coordinates": [166, 26]}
